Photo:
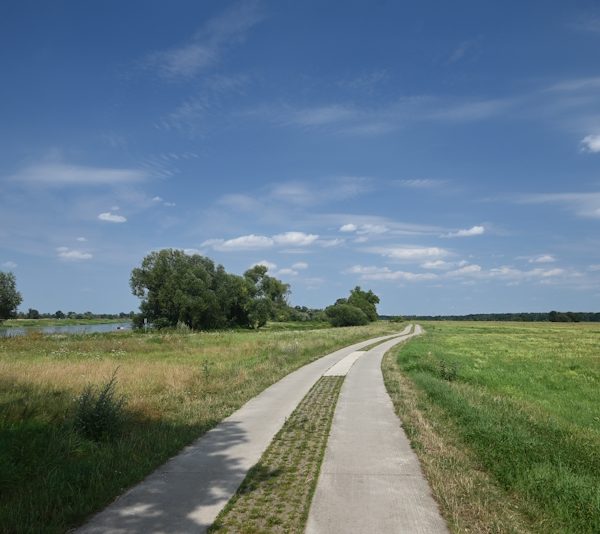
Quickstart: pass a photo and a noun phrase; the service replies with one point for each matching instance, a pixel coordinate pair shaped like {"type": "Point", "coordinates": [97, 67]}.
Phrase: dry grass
{"type": "Point", "coordinates": [276, 494]}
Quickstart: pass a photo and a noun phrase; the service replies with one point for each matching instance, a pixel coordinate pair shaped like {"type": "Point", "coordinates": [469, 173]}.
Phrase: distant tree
{"type": "Point", "coordinates": [366, 301]}
{"type": "Point", "coordinates": [345, 315]}
{"type": "Point", "coordinates": [32, 313]}
{"type": "Point", "coordinates": [179, 288]}
{"type": "Point", "coordinates": [59, 315]}
{"type": "Point", "coordinates": [10, 298]}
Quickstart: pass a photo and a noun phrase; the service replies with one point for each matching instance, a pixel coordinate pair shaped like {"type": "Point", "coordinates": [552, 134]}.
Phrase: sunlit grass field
{"type": "Point", "coordinates": [506, 420]}
{"type": "Point", "coordinates": [177, 386]}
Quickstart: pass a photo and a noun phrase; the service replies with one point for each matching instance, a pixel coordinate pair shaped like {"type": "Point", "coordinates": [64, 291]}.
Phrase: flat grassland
{"type": "Point", "coordinates": [505, 418]}
{"type": "Point", "coordinates": [177, 385]}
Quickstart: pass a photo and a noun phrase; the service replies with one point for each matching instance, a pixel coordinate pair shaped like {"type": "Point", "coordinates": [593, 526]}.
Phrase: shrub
{"type": "Point", "coordinates": [448, 371]}
{"type": "Point", "coordinates": [346, 315]}
{"type": "Point", "coordinates": [99, 413]}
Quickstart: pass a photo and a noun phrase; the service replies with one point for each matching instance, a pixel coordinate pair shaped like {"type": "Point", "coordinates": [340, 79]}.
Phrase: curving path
{"type": "Point", "coordinates": [187, 493]}
{"type": "Point", "coordinates": [371, 480]}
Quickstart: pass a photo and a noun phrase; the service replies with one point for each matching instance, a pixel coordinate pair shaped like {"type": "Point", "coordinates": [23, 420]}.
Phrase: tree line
{"type": "Point", "coordinates": [552, 316]}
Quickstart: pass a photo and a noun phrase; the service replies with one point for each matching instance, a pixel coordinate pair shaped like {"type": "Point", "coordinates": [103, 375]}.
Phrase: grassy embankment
{"type": "Point", "coordinates": [41, 323]}
{"type": "Point", "coordinates": [177, 385]}
{"type": "Point", "coordinates": [505, 419]}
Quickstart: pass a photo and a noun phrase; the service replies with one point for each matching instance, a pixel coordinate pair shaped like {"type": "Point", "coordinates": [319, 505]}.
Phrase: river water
{"type": "Point", "coordinates": [72, 329]}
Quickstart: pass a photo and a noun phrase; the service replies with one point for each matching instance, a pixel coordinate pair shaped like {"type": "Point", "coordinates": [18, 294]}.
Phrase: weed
{"type": "Point", "coordinates": [448, 371]}
{"type": "Point", "coordinates": [99, 412]}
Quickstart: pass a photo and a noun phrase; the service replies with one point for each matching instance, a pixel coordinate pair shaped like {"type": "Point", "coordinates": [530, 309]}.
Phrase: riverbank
{"type": "Point", "coordinates": [43, 323]}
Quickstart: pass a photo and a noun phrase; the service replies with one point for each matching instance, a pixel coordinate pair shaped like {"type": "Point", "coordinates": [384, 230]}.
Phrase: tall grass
{"type": "Point", "coordinates": [523, 400]}
{"type": "Point", "coordinates": [177, 385]}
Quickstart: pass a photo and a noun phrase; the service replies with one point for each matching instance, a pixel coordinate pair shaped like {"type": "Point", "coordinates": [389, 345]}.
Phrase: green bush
{"type": "Point", "coordinates": [346, 315]}
{"type": "Point", "coordinates": [99, 414]}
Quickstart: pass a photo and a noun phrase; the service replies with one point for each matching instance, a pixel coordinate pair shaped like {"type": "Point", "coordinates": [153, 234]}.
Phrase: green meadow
{"type": "Point", "coordinates": [506, 420]}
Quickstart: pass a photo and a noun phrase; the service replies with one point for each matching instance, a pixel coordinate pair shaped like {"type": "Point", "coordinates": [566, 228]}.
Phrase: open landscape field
{"type": "Point", "coordinates": [505, 418]}
{"type": "Point", "coordinates": [176, 385]}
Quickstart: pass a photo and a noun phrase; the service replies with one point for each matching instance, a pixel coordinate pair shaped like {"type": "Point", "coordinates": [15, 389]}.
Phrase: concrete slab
{"type": "Point", "coordinates": [371, 480]}
{"type": "Point", "coordinates": [187, 493]}
{"type": "Point", "coordinates": [342, 367]}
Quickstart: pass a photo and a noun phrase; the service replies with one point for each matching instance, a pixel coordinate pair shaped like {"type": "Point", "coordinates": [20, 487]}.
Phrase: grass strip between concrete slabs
{"type": "Point", "coordinates": [276, 494]}
{"type": "Point", "coordinates": [504, 420]}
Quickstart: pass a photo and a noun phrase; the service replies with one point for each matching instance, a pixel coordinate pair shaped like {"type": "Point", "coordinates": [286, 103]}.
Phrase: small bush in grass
{"type": "Point", "coordinates": [448, 371]}
{"type": "Point", "coordinates": [99, 413]}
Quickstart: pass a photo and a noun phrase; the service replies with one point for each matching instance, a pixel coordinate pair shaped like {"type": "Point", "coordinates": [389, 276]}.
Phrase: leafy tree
{"type": "Point", "coordinates": [59, 315]}
{"type": "Point", "coordinates": [346, 315]}
{"type": "Point", "coordinates": [10, 298]}
{"type": "Point", "coordinates": [191, 289]}
{"type": "Point", "coordinates": [32, 313]}
{"type": "Point", "coordinates": [366, 301]}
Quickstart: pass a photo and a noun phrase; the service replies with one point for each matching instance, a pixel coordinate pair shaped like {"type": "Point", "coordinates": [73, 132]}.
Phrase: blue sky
{"type": "Point", "coordinates": [445, 155]}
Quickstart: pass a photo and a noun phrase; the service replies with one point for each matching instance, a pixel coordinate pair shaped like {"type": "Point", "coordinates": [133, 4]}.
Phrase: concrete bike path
{"type": "Point", "coordinates": [371, 480]}
{"type": "Point", "coordinates": [187, 493]}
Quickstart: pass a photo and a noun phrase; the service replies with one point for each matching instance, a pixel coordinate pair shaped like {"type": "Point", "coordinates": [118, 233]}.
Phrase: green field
{"type": "Point", "coordinates": [506, 420]}
{"type": "Point", "coordinates": [177, 385]}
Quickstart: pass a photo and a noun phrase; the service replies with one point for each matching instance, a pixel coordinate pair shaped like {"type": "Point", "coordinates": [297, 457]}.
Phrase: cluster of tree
{"type": "Point", "coordinates": [553, 316]}
{"type": "Point", "coordinates": [177, 288]}
{"type": "Point", "coordinates": [303, 314]}
{"type": "Point", "coordinates": [10, 298]}
{"type": "Point", "coordinates": [358, 309]}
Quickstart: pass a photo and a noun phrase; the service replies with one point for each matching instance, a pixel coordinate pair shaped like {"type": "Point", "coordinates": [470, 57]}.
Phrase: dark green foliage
{"type": "Point", "coordinates": [364, 300]}
{"type": "Point", "coordinates": [358, 309]}
{"type": "Point", "coordinates": [10, 298]}
{"type": "Point", "coordinates": [553, 316]}
{"type": "Point", "coordinates": [448, 371]}
{"type": "Point", "coordinates": [346, 315]}
{"type": "Point", "coordinates": [190, 289]}
{"type": "Point", "coordinates": [99, 414]}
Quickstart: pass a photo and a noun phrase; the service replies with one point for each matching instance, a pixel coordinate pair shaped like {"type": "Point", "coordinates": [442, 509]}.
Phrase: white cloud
{"type": "Point", "coordinates": [437, 264]}
{"type": "Point", "coordinates": [410, 253]}
{"type": "Point", "coordinates": [385, 273]}
{"type": "Point", "coordinates": [348, 228]}
{"type": "Point", "coordinates": [328, 190]}
{"type": "Point", "coordinates": [111, 217]}
{"type": "Point", "coordinates": [245, 242]}
{"type": "Point", "coordinates": [67, 254]}
{"type": "Point", "coordinates": [206, 46]}
{"type": "Point", "coordinates": [473, 231]}
{"type": "Point", "coordinates": [157, 199]}
{"type": "Point", "coordinates": [590, 143]}
{"type": "Point", "coordinates": [296, 239]}
{"type": "Point", "coordinates": [9, 265]}
{"type": "Point", "coordinates": [544, 258]}
{"type": "Point", "coordinates": [81, 239]}
{"type": "Point", "coordinates": [57, 174]}
{"type": "Point", "coordinates": [240, 202]}
{"type": "Point", "coordinates": [594, 268]}
{"type": "Point", "coordinates": [511, 273]}
{"type": "Point", "coordinates": [300, 266]}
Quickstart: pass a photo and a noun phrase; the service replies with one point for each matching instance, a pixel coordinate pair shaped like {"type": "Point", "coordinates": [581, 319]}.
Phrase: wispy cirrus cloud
{"type": "Point", "coordinates": [582, 204]}
{"type": "Point", "coordinates": [207, 45]}
{"type": "Point", "coordinates": [59, 174]}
